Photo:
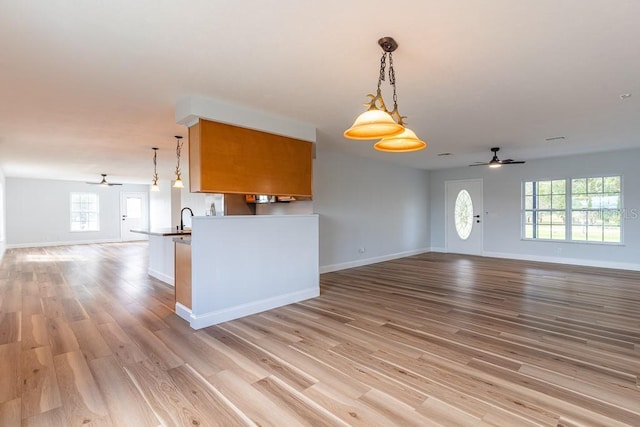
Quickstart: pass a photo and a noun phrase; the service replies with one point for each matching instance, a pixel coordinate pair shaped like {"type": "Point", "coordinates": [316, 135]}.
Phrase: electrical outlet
{"type": "Point", "coordinates": [362, 250]}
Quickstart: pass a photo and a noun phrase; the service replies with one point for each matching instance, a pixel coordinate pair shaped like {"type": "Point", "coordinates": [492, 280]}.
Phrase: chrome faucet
{"type": "Point", "coordinates": [181, 212]}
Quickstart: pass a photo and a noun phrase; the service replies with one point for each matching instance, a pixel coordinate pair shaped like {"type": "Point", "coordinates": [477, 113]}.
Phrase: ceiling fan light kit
{"type": "Point", "coordinates": [378, 122]}
{"type": "Point", "coordinates": [495, 162]}
{"type": "Point", "coordinates": [103, 182]}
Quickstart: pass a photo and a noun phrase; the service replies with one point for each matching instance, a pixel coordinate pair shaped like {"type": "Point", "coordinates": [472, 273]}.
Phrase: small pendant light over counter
{"type": "Point", "coordinates": [178, 182]}
{"type": "Point", "coordinates": [154, 184]}
{"type": "Point", "coordinates": [378, 122]}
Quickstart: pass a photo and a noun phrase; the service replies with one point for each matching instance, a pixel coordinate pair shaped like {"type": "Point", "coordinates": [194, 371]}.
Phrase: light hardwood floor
{"type": "Point", "coordinates": [87, 338]}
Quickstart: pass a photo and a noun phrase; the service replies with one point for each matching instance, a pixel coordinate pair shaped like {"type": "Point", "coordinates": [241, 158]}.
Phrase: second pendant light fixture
{"type": "Point", "coordinates": [178, 182]}
{"type": "Point", "coordinates": [378, 122]}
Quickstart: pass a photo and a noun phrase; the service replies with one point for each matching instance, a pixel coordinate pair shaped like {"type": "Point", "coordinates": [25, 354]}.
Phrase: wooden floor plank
{"type": "Point", "coordinates": [121, 344]}
{"type": "Point", "coordinates": [163, 396]}
{"type": "Point", "coordinates": [90, 341]}
{"type": "Point", "coordinates": [217, 410]}
{"type": "Point", "coordinates": [53, 418]}
{"type": "Point", "coordinates": [34, 331]}
{"type": "Point", "coordinates": [10, 413]}
{"type": "Point", "coordinates": [10, 372]}
{"type": "Point", "coordinates": [127, 407]}
{"type": "Point", "coordinates": [10, 327]}
{"type": "Point", "coordinates": [40, 392]}
{"type": "Point", "coordinates": [82, 400]}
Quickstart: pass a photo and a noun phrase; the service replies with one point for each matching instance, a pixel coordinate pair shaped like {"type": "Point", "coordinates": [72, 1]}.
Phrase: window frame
{"type": "Point", "coordinates": [72, 211]}
{"type": "Point", "coordinates": [569, 211]}
{"type": "Point", "coordinates": [535, 210]}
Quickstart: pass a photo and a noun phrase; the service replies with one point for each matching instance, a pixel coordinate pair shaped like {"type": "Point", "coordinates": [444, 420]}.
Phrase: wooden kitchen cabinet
{"type": "Point", "coordinates": [183, 273]}
{"type": "Point", "coordinates": [230, 159]}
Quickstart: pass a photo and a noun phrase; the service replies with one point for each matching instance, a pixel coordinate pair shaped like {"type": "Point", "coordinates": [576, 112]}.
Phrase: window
{"type": "Point", "coordinates": [595, 209]}
{"type": "Point", "coordinates": [588, 210]}
{"type": "Point", "coordinates": [84, 212]}
{"type": "Point", "coordinates": [463, 214]}
{"type": "Point", "coordinates": [545, 209]}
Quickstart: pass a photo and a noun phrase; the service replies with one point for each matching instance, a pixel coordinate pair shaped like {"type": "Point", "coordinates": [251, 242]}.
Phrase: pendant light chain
{"type": "Point", "coordinates": [383, 66]}
{"type": "Point", "coordinates": [392, 82]}
{"type": "Point", "coordinates": [155, 165]}
{"type": "Point", "coordinates": [178, 148]}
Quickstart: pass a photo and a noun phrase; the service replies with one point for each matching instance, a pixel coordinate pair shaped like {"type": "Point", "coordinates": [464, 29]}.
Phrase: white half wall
{"type": "Point", "coordinates": [250, 263]}
{"type": "Point", "coordinates": [38, 212]}
{"type": "Point", "coordinates": [370, 211]}
{"type": "Point", "coordinates": [502, 204]}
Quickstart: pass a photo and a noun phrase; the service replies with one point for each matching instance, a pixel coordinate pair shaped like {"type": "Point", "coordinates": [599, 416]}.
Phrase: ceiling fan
{"type": "Point", "coordinates": [104, 181]}
{"type": "Point", "coordinates": [495, 162]}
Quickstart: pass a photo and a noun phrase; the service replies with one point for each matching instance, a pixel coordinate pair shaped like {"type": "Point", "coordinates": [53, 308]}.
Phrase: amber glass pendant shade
{"type": "Point", "coordinates": [373, 124]}
{"type": "Point", "coordinates": [401, 143]}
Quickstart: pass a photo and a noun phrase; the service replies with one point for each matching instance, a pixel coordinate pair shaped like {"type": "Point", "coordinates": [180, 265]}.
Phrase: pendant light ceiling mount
{"type": "Point", "coordinates": [388, 44]}
{"type": "Point", "coordinates": [380, 123]}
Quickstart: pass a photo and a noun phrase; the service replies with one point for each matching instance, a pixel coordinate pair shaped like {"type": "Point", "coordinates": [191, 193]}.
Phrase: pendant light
{"type": "Point", "coordinates": [178, 182]}
{"type": "Point", "coordinates": [378, 122]}
{"type": "Point", "coordinates": [154, 185]}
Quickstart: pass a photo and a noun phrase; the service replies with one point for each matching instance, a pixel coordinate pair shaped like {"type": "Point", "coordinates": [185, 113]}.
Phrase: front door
{"type": "Point", "coordinates": [134, 216]}
{"type": "Point", "coordinates": [464, 216]}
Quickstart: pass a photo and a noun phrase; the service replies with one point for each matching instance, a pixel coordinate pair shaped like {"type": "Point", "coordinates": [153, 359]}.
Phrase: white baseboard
{"type": "Point", "coordinates": [569, 261]}
{"type": "Point", "coordinates": [231, 313]}
{"type": "Point", "coordinates": [46, 244]}
{"type": "Point", "coordinates": [183, 311]}
{"type": "Point", "coordinates": [442, 250]}
{"type": "Point", "coordinates": [367, 261]}
{"type": "Point", "coordinates": [161, 276]}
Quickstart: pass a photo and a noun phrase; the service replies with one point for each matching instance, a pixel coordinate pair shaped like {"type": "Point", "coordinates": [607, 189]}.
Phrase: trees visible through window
{"type": "Point", "coordinates": [588, 210]}
{"type": "Point", "coordinates": [595, 209]}
{"type": "Point", "coordinates": [85, 214]}
{"type": "Point", "coordinates": [545, 209]}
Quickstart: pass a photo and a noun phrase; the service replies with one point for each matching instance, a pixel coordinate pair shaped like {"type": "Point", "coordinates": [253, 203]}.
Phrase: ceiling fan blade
{"type": "Point", "coordinates": [113, 183]}
{"type": "Point", "coordinates": [512, 162]}
{"type": "Point", "coordinates": [479, 164]}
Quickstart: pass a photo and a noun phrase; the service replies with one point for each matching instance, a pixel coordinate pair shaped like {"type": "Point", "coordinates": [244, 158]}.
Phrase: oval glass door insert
{"type": "Point", "coordinates": [463, 214]}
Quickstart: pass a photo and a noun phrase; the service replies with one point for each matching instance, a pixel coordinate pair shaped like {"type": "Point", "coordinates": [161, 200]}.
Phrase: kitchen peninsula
{"type": "Point", "coordinates": [161, 252]}
{"type": "Point", "coordinates": [242, 265]}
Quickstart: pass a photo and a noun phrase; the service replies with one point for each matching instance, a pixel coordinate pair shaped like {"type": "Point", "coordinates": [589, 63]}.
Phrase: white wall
{"type": "Point", "coordinates": [502, 202]}
{"type": "Point", "coordinates": [362, 203]}
{"type": "Point", "coordinates": [3, 214]}
{"type": "Point", "coordinates": [160, 206]}
{"type": "Point", "coordinates": [38, 212]}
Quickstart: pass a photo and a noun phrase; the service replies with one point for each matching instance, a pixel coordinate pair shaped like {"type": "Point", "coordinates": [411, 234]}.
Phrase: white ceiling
{"type": "Point", "coordinates": [88, 87]}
